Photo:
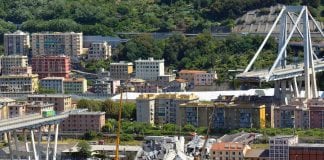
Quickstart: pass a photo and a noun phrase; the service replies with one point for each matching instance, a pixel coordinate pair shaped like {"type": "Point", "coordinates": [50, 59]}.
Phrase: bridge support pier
{"type": "Point", "coordinates": [9, 144]}
{"type": "Point", "coordinates": [16, 142]}
{"type": "Point", "coordinates": [33, 144]}
{"type": "Point", "coordinates": [48, 141]}
{"type": "Point", "coordinates": [55, 141]}
{"type": "Point", "coordinates": [26, 142]}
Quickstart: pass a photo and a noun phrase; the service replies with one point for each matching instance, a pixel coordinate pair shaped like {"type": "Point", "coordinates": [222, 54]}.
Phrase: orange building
{"type": "Point", "coordinates": [197, 77]}
{"type": "Point", "coordinates": [228, 151]}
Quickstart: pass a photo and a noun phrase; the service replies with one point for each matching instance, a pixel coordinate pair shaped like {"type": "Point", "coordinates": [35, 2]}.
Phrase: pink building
{"type": "Point", "coordinates": [61, 102]}
{"type": "Point", "coordinates": [316, 111]}
{"type": "Point", "coordinates": [197, 77]}
{"type": "Point", "coordinates": [51, 66]}
{"type": "Point", "coordinates": [84, 121]}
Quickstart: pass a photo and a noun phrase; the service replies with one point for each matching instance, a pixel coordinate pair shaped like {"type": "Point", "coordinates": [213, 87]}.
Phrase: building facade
{"type": "Point", "coordinates": [4, 109]}
{"type": "Point", "coordinates": [57, 43]}
{"type": "Point", "coordinates": [195, 113]}
{"type": "Point", "coordinates": [147, 88]}
{"type": "Point", "coordinates": [279, 147]}
{"type": "Point", "coordinates": [51, 66]}
{"type": "Point", "coordinates": [306, 151]}
{"type": "Point", "coordinates": [19, 84]}
{"type": "Point", "coordinates": [197, 77]}
{"type": "Point", "coordinates": [316, 113]}
{"type": "Point", "coordinates": [75, 85]}
{"type": "Point", "coordinates": [165, 80]}
{"type": "Point", "coordinates": [177, 85]}
{"type": "Point", "coordinates": [228, 151]}
{"type": "Point", "coordinates": [98, 51]}
{"type": "Point", "coordinates": [121, 70]}
{"type": "Point", "coordinates": [17, 109]}
{"type": "Point", "coordinates": [16, 43]}
{"type": "Point", "coordinates": [53, 83]}
{"type": "Point", "coordinates": [165, 107]}
{"type": "Point", "coordinates": [38, 107]}
{"type": "Point", "coordinates": [61, 102]}
{"type": "Point", "coordinates": [149, 69]}
{"type": "Point", "coordinates": [83, 122]}
{"type": "Point", "coordinates": [12, 61]}
{"type": "Point", "coordinates": [106, 86]}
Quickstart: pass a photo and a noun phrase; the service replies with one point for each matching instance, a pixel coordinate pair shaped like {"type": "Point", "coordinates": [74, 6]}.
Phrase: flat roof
{"type": "Point", "coordinates": [53, 78]}
{"type": "Point", "coordinates": [251, 153]}
{"type": "Point", "coordinates": [310, 145]}
{"type": "Point", "coordinates": [87, 113]}
{"type": "Point", "coordinates": [107, 148]}
{"type": "Point", "coordinates": [49, 95]}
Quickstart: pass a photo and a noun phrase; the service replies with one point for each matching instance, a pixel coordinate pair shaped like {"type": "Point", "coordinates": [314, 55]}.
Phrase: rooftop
{"type": "Point", "coordinates": [150, 59]}
{"type": "Point", "coordinates": [53, 78]}
{"type": "Point", "coordinates": [19, 76]}
{"type": "Point", "coordinates": [107, 148]}
{"type": "Point", "coordinates": [87, 113]}
{"type": "Point", "coordinates": [6, 100]}
{"type": "Point", "coordinates": [74, 80]}
{"type": "Point", "coordinates": [121, 63]}
{"type": "Point", "coordinates": [257, 153]}
{"type": "Point", "coordinates": [309, 145]}
{"type": "Point", "coordinates": [231, 146]}
{"type": "Point", "coordinates": [192, 71]}
{"type": "Point", "coordinates": [180, 80]}
{"type": "Point", "coordinates": [49, 95]}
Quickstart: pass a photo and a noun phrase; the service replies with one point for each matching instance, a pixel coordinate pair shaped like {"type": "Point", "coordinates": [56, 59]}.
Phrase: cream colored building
{"type": "Point", "coordinates": [19, 84]}
{"type": "Point", "coordinates": [61, 102]}
{"type": "Point", "coordinates": [75, 85]}
{"type": "Point", "coordinates": [4, 109]}
{"type": "Point", "coordinates": [121, 70]}
{"type": "Point", "coordinates": [228, 151]}
{"type": "Point", "coordinates": [149, 69]}
{"type": "Point", "coordinates": [161, 108]}
{"type": "Point", "coordinates": [57, 43]}
{"type": "Point", "coordinates": [13, 61]}
{"type": "Point", "coordinates": [98, 51]}
{"type": "Point", "coordinates": [16, 43]}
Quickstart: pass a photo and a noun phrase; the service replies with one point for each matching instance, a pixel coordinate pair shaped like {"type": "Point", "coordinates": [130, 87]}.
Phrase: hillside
{"type": "Point", "coordinates": [106, 17]}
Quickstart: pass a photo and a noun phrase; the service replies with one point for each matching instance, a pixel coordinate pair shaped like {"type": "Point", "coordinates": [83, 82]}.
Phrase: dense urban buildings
{"type": "Point", "coordinates": [38, 107]}
{"type": "Point", "coordinates": [121, 70]}
{"type": "Point", "coordinates": [51, 66]}
{"type": "Point", "coordinates": [12, 62]}
{"type": "Point", "coordinates": [53, 83]}
{"type": "Point", "coordinates": [75, 85]}
{"type": "Point", "coordinates": [61, 102]}
{"type": "Point", "coordinates": [68, 43]}
{"type": "Point", "coordinates": [160, 108]}
{"type": "Point", "coordinates": [106, 86]}
{"type": "Point", "coordinates": [84, 121]}
{"type": "Point", "coordinates": [149, 69]}
{"type": "Point", "coordinates": [16, 43]}
{"type": "Point", "coordinates": [18, 84]}
{"type": "Point", "coordinates": [4, 106]}
{"type": "Point", "coordinates": [279, 146]}
{"type": "Point", "coordinates": [98, 51]}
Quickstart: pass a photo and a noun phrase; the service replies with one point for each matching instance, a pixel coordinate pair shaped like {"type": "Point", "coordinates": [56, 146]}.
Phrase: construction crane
{"type": "Point", "coordinates": [119, 124]}
{"type": "Point", "coordinates": [203, 149]}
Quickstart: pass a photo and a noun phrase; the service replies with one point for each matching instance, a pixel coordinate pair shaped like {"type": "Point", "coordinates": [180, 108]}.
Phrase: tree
{"type": "Point", "coordinates": [84, 150]}
{"type": "Point", "coordinates": [91, 105]}
{"type": "Point", "coordinates": [189, 128]}
{"type": "Point", "coordinates": [90, 135]}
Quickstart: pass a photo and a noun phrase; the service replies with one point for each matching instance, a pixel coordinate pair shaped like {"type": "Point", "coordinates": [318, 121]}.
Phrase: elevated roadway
{"type": "Point", "coordinates": [291, 71]}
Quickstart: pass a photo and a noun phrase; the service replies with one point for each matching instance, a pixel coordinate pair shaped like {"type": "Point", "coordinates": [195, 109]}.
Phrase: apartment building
{"type": "Point", "coordinates": [83, 122]}
{"type": "Point", "coordinates": [306, 151]}
{"type": "Point", "coordinates": [16, 43]}
{"type": "Point", "coordinates": [75, 85]}
{"type": "Point", "coordinates": [147, 88]}
{"type": "Point", "coordinates": [53, 83]}
{"type": "Point", "coordinates": [8, 63]}
{"type": "Point", "coordinates": [19, 84]}
{"type": "Point", "coordinates": [162, 108]}
{"type": "Point", "coordinates": [99, 50]}
{"type": "Point", "coordinates": [316, 112]}
{"type": "Point", "coordinates": [19, 70]}
{"type": "Point", "coordinates": [121, 70]}
{"type": "Point", "coordinates": [38, 107]}
{"type": "Point", "coordinates": [4, 109]}
{"type": "Point", "coordinates": [17, 109]}
{"type": "Point", "coordinates": [51, 66]}
{"type": "Point", "coordinates": [279, 146]}
{"type": "Point", "coordinates": [164, 80]}
{"type": "Point", "coordinates": [61, 102]}
{"type": "Point", "coordinates": [149, 69]}
{"type": "Point", "coordinates": [57, 43]}
{"type": "Point", "coordinates": [195, 113]}
{"type": "Point", "coordinates": [106, 86]}
{"type": "Point", "coordinates": [240, 115]}
{"type": "Point", "coordinates": [228, 151]}
{"type": "Point", "coordinates": [198, 78]}
{"type": "Point", "coordinates": [177, 85]}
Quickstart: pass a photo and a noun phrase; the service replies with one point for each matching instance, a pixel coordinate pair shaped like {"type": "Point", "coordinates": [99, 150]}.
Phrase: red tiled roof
{"type": "Point", "coordinates": [228, 146]}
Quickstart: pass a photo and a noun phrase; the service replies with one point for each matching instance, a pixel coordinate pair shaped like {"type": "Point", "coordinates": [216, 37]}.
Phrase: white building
{"type": "Point", "coordinates": [149, 69]}
{"type": "Point", "coordinates": [279, 146]}
{"type": "Point", "coordinates": [16, 43]}
{"type": "Point", "coordinates": [99, 51]}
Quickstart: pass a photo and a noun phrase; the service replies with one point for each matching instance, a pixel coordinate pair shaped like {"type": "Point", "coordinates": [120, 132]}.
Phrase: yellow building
{"type": "Point", "coordinates": [161, 108]}
{"type": "Point", "coordinates": [19, 84]}
{"type": "Point", "coordinates": [241, 115]}
{"type": "Point", "coordinates": [195, 113]}
{"type": "Point", "coordinates": [121, 70]}
{"type": "Point", "coordinates": [4, 109]}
